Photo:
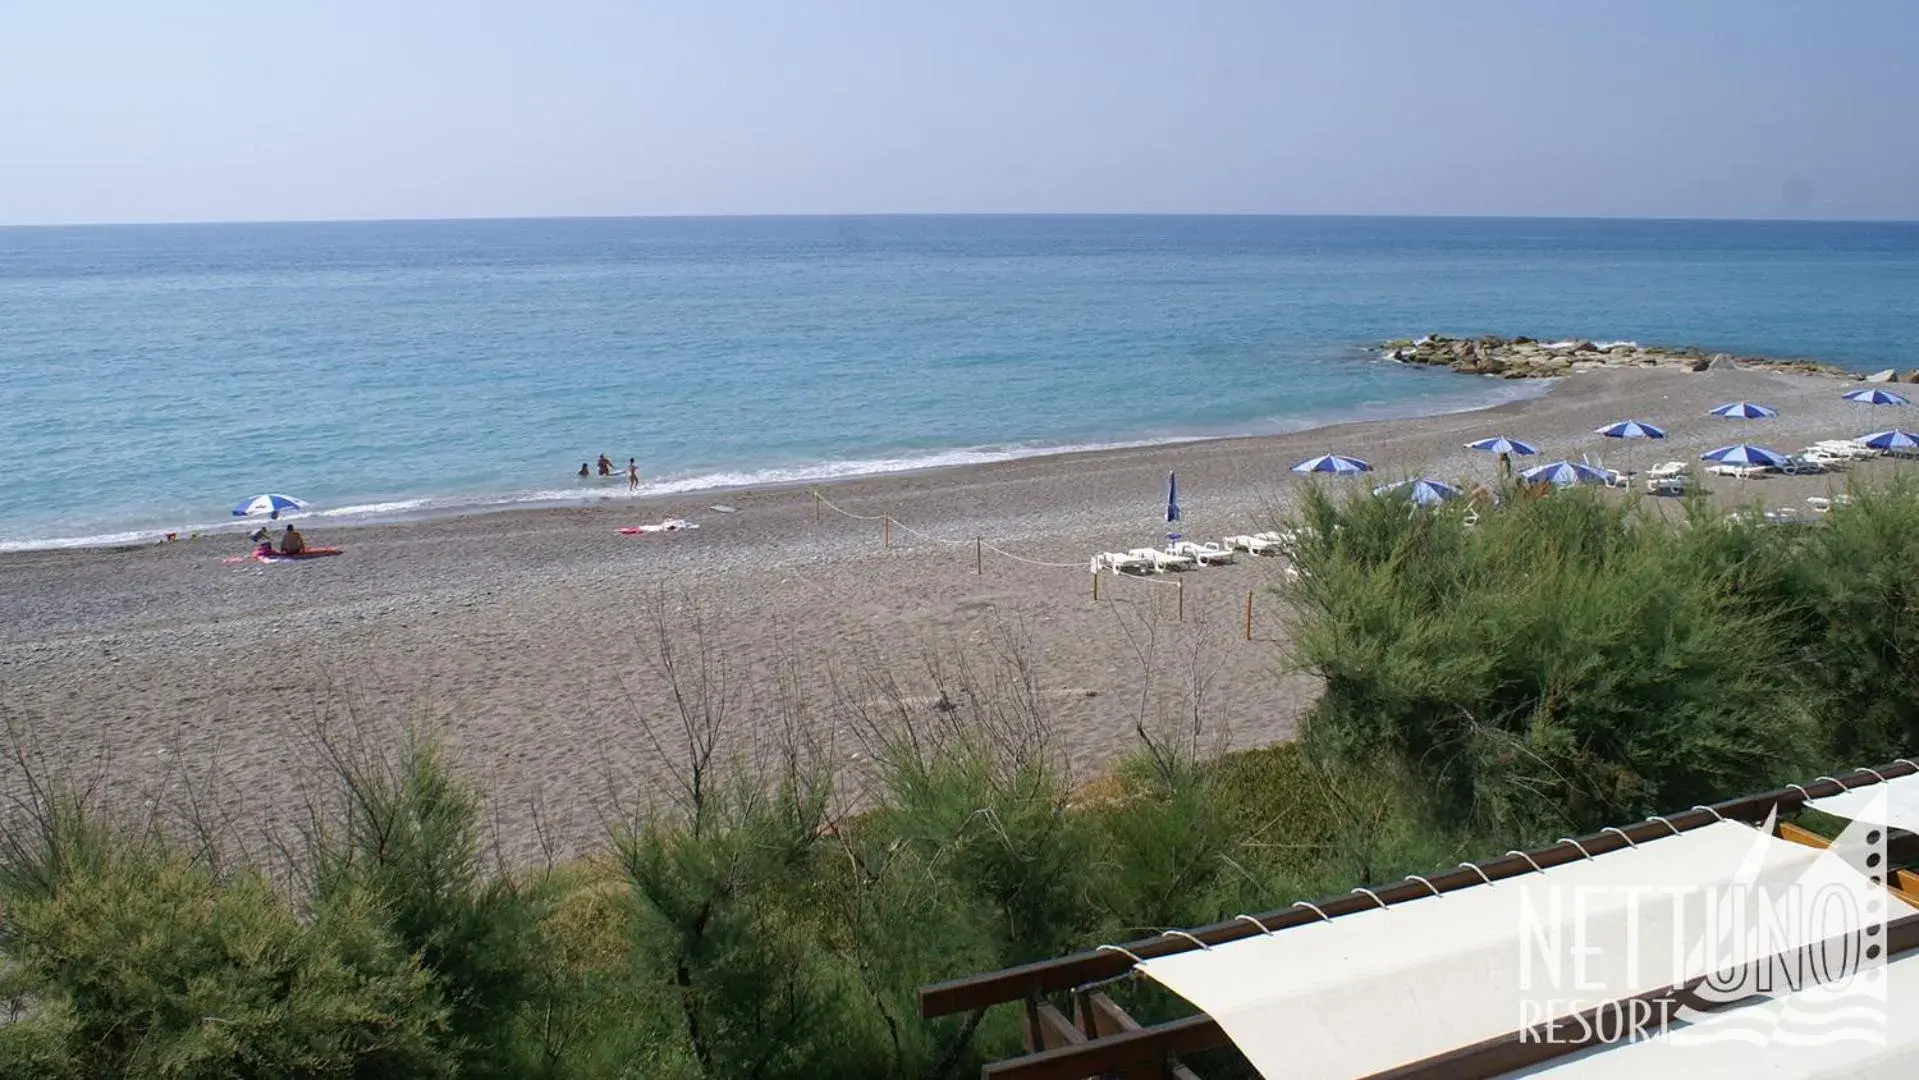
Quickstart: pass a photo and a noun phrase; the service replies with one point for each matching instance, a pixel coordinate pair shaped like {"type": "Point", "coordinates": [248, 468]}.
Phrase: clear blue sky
{"type": "Point", "coordinates": [133, 110]}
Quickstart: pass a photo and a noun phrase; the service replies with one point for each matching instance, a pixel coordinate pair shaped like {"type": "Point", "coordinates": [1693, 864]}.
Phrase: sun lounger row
{"type": "Point", "coordinates": [1189, 554]}
{"type": "Point", "coordinates": [1141, 561]}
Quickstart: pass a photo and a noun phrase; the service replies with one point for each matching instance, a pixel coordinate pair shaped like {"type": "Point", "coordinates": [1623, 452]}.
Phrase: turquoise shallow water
{"type": "Point", "coordinates": [151, 376]}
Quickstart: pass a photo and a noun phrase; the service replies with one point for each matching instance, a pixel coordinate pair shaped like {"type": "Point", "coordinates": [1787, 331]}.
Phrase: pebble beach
{"type": "Point", "coordinates": [528, 640]}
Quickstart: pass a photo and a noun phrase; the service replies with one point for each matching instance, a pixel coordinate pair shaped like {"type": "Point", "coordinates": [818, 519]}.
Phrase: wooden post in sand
{"type": "Point", "coordinates": [886, 533]}
{"type": "Point", "coordinates": [979, 556]}
{"type": "Point", "coordinates": [1096, 586]}
{"type": "Point", "coordinates": [1180, 588]}
{"type": "Point", "coordinates": [1249, 614]}
{"type": "Point", "coordinates": [816, 506]}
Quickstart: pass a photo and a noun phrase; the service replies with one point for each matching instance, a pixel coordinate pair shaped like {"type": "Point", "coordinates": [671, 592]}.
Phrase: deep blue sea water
{"type": "Point", "coordinates": [151, 376]}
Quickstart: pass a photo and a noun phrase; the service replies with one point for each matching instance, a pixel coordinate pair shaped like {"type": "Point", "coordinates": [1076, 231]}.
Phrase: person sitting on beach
{"type": "Point", "coordinates": [291, 542]}
{"type": "Point", "coordinates": [583, 471]}
{"type": "Point", "coordinates": [262, 543]}
{"type": "Point", "coordinates": [606, 465]}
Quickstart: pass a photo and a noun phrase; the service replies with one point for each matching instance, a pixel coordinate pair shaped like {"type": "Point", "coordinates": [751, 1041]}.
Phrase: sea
{"type": "Point", "coordinates": [152, 377]}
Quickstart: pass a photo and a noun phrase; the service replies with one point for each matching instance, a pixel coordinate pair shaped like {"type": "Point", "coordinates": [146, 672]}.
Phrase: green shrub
{"type": "Point", "coordinates": [1560, 665]}
{"type": "Point", "coordinates": [136, 962]}
{"type": "Point", "coordinates": [408, 844]}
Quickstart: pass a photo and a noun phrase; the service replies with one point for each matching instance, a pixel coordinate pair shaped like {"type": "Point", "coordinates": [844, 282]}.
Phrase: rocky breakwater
{"type": "Point", "coordinates": [1527, 358]}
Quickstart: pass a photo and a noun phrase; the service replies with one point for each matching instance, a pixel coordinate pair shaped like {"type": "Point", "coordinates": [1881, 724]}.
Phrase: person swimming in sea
{"type": "Point", "coordinates": [584, 473]}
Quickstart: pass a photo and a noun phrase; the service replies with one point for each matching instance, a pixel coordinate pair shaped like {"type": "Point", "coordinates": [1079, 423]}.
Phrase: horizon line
{"type": "Point", "coordinates": [910, 214]}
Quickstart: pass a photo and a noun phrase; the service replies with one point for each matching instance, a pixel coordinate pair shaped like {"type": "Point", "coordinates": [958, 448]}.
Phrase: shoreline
{"type": "Point", "coordinates": [527, 637]}
{"type": "Point", "coordinates": [376, 514]}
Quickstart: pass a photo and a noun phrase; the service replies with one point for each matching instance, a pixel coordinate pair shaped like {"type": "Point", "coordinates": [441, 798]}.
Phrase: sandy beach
{"type": "Point", "coordinates": [525, 638]}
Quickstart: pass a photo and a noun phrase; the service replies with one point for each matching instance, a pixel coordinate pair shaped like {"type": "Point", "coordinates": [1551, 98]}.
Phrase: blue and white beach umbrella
{"type": "Point", "coordinates": [1890, 440]}
{"type": "Point", "coordinates": [1332, 463]}
{"type": "Point", "coordinates": [1745, 454]}
{"type": "Point", "coordinates": [1500, 444]}
{"type": "Point", "coordinates": [1874, 396]}
{"type": "Point", "coordinates": [1631, 429]}
{"type": "Point", "coordinates": [1421, 492]}
{"type": "Point", "coordinates": [1172, 496]}
{"type": "Point", "coordinates": [1745, 410]}
{"type": "Point", "coordinates": [1563, 474]}
{"type": "Point", "coordinates": [268, 504]}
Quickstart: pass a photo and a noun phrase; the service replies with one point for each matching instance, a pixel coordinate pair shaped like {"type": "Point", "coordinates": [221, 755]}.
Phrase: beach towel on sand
{"type": "Point", "coordinates": [669, 525]}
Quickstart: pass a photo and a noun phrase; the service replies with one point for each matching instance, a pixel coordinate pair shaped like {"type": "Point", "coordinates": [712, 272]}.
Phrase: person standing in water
{"type": "Point", "coordinates": [583, 471]}
{"type": "Point", "coordinates": [632, 474]}
{"type": "Point", "coordinates": [606, 465]}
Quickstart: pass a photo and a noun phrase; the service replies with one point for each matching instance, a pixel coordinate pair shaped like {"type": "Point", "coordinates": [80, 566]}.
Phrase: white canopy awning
{"type": "Point", "coordinates": [1894, 803]}
{"type": "Point", "coordinates": [1863, 1042]}
{"type": "Point", "coordinates": [1388, 987]}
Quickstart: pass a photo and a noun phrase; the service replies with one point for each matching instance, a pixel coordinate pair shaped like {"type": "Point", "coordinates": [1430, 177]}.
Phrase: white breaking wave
{"type": "Point", "coordinates": [772, 476]}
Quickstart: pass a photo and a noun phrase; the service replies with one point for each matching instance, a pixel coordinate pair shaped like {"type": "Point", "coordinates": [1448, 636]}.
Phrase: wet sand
{"type": "Point", "coordinates": [526, 638]}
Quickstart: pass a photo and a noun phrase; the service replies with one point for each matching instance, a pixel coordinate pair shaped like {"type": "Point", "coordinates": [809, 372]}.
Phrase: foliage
{"type": "Point", "coordinates": [1566, 663]}
{"type": "Point", "coordinates": [1562, 664]}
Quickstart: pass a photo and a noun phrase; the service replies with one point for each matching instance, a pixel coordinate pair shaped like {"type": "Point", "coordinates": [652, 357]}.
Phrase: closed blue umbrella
{"type": "Point", "coordinates": [1874, 396]}
{"type": "Point", "coordinates": [1745, 410]}
{"type": "Point", "coordinates": [1745, 454]}
{"type": "Point", "coordinates": [1172, 496]}
{"type": "Point", "coordinates": [1631, 429]}
{"type": "Point", "coordinates": [1564, 474]}
{"type": "Point", "coordinates": [1332, 463]}
{"type": "Point", "coordinates": [1500, 444]}
{"type": "Point", "coordinates": [1890, 440]}
{"type": "Point", "coordinates": [1422, 492]}
{"type": "Point", "coordinates": [268, 504]}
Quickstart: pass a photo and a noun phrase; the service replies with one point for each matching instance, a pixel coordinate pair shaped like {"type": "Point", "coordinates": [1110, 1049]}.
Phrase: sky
{"type": "Point", "coordinates": [193, 110]}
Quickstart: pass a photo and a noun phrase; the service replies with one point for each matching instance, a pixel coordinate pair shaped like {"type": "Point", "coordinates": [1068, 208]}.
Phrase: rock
{"type": "Point", "coordinates": [1888, 375]}
{"type": "Point", "coordinates": [1522, 341]}
{"type": "Point", "coordinates": [1699, 363]}
{"type": "Point", "coordinates": [1490, 365]}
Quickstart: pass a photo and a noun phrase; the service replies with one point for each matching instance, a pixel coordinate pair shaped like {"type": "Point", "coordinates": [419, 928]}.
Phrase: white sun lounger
{"type": "Point", "coordinates": [1252, 545]}
{"type": "Point", "coordinates": [1845, 448]}
{"type": "Point", "coordinates": [1121, 562]}
{"type": "Point", "coordinates": [1204, 554]}
{"type": "Point", "coordinates": [1737, 472]}
{"type": "Point", "coordinates": [1668, 469]}
{"type": "Point", "coordinates": [1670, 484]}
{"type": "Point", "coordinates": [1163, 560]}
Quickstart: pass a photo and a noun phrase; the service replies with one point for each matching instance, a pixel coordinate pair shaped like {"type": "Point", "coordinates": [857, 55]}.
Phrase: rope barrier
{"type": "Point", "coordinates": [980, 546]}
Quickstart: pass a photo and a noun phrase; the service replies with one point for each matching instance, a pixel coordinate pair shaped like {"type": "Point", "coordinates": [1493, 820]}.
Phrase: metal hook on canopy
{"type": "Point", "coordinates": [1676, 830]}
{"type": "Point", "coordinates": [1716, 815]}
{"type": "Point", "coordinates": [1622, 834]}
{"type": "Point", "coordinates": [1477, 869]}
{"type": "Point", "coordinates": [1314, 908]}
{"type": "Point", "coordinates": [1529, 860]}
{"type": "Point", "coordinates": [1263, 928]}
{"type": "Point", "coordinates": [1803, 793]}
{"type": "Point", "coordinates": [1372, 894]}
{"type": "Point", "coordinates": [1906, 761]}
{"type": "Point", "coordinates": [1428, 884]}
{"type": "Point", "coordinates": [1120, 949]}
{"type": "Point", "coordinates": [1874, 773]}
{"type": "Point", "coordinates": [1834, 779]}
{"type": "Point", "coordinates": [1187, 936]}
{"type": "Point", "coordinates": [1581, 848]}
